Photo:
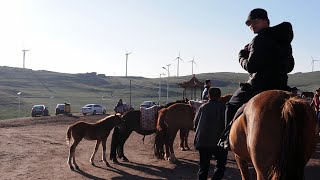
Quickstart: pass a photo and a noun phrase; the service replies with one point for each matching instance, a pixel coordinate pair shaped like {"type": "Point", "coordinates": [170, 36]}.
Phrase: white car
{"type": "Point", "coordinates": [147, 104]}
{"type": "Point", "coordinates": [93, 109]}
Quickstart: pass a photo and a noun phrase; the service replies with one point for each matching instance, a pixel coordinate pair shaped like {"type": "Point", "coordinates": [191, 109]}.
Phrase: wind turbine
{"type": "Point", "coordinates": [178, 59]}
{"type": "Point", "coordinates": [312, 62]}
{"type": "Point", "coordinates": [24, 57]}
{"type": "Point", "coordinates": [192, 62]}
{"type": "Point", "coordinates": [127, 54]}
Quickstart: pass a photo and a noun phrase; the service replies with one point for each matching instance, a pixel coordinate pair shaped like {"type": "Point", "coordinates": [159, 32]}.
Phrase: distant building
{"type": "Point", "coordinates": [191, 88]}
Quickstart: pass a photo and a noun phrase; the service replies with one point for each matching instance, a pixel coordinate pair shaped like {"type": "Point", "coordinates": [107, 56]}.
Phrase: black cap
{"type": "Point", "coordinates": [257, 13]}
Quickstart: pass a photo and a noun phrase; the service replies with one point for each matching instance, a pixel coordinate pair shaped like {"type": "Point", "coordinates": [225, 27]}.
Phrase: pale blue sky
{"type": "Point", "coordinates": [79, 36]}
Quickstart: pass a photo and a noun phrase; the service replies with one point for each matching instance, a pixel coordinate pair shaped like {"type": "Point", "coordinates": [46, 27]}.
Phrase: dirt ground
{"type": "Point", "coordinates": [35, 148]}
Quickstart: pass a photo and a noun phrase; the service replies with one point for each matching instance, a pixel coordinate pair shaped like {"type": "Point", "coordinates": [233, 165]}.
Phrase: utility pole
{"type": "Point", "coordinates": [130, 92]}
{"type": "Point", "coordinates": [168, 65]}
{"type": "Point", "coordinates": [312, 62]}
{"type": "Point", "coordinates": [127, 54]}
{"type": "Point", "coordinates": [24, 56]}
{"type": "Point", "coordinates": [51, 102]}
{"type": "Point", "coordinates": [19, 95]}
{"type": "Point", "coordinates": [160, 88]}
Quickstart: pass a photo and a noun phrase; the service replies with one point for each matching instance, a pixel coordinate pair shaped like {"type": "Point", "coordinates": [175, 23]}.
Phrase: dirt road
{"type": "Point", "coordinates": [35, 148]}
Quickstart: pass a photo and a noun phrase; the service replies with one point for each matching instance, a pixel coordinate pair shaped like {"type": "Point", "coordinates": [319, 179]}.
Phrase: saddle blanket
{"type": "Point", "coordinates": [149, 117]}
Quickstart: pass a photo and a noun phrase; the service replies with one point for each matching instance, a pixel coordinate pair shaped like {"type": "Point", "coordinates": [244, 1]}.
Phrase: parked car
{"type": "Point", "coordinates": [148, 104]}
{"type": "Point", "coordinates": [60, 109]}
{"type": "Point", "coordinates": [39, 110]}
{"type": "Point", "coordinates": [93, 109]}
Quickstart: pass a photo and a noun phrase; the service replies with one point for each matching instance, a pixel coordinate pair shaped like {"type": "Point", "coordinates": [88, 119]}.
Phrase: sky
{"type": "Point", "coordinates": [80, 36]}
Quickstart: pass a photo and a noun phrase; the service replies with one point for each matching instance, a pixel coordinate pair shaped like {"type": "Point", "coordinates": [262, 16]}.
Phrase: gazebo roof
{"type": "Point", "coordinates": [192, 83]}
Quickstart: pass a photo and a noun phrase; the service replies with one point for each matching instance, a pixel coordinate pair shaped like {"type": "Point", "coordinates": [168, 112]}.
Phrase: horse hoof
{"type": "Point", "coordinates": [77, 167]}
{"type": "Point", "coordinates": [181, 149]}
{"type": "Point", "coordinates": [107, 164]}
{"type": "Point", "coordinates": [71, 168]}
{"type": "Point", "coordinates": [125, 160]}
{"type": "Point", "coordinates": [187, 148]}
{"type": "Point", "coordinates": [115, 161]}
{"type": "Point", "coordinates": [93, 164]}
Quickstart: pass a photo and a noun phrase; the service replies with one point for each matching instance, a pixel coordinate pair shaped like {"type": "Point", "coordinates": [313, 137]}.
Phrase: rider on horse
{"type": "Point", "coordinates": [267, 58]}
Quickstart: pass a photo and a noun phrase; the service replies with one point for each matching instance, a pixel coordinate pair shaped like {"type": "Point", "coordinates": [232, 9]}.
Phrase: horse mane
{"type": "Point", "coordinates": [161, 116]}
{"type": "Point", "coordinates": [224, 99]}
{"type": "Point", "coordinates": [291, 164]}
{"type": "Point", "coordinates": [106, 118]}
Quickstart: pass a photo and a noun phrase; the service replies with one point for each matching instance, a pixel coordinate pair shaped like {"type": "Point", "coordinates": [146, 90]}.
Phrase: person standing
{"type": "Point", "coordinates": [268, 60]}
{"type": "Point", "coordinates": [209, 124]}
{"type": "Point", "coordinates": [316, 103]}
{"type": "Point", "coordinates": [206, 89]}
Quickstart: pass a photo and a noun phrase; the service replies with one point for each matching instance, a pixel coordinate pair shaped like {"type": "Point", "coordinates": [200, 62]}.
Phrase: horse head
{"type": "Point", "coordinates": [119, 121]}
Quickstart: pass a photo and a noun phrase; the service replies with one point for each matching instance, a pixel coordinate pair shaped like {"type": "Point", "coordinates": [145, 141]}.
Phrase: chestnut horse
{"type": "Point", "coordinates": [170, 120]}
{"type": "Point", "coordinates": [276, 133]}
{"type": "Point", "coordinates": [98, 131]}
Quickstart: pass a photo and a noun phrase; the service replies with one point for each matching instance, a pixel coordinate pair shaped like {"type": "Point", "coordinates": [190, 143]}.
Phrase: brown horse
{"type": "Point", "coordinates": [276, 133]}
{"type": "Point", "coordinates": [98, 131]}
{"type": "Point", "coordinates": [170, 120]}
{"type": "Point", "coordinates": [224, 99]}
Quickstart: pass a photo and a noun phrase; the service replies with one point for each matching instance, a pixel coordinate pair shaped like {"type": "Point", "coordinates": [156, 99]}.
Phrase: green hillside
{"type": "Point", "coordinates": [37, 87]}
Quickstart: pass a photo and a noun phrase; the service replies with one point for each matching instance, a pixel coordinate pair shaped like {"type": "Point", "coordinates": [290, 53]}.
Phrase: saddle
{"type": "Point", "coordinates": [149, 117]}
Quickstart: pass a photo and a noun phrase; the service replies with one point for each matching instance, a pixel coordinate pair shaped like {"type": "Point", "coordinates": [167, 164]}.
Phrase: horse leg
{"type": "Point", "coordinates": [186, 140]}
{"type": "Point", "coordinates": [243, 166]}
{"type": "Point", "coordinates": [73, 153]}
{"type": "Point", "coordinates": [104, 159]}
{"type": "Point", "coordinates": [182, 140]}
{"type": "Point", "coordinates": [172, 135]}
{"type": "Point", "coordinates": [121, 149]}
{"type": "Point", "coordinates": [95, 151]}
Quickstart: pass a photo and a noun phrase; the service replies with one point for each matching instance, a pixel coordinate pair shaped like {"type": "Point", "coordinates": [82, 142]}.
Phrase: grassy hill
{"type": "Point", "coordinates": [37, 87]}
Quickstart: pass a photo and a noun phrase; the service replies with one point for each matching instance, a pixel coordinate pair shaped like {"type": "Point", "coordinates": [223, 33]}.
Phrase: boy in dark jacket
{"type": "Point", "coordinates": [267, 58]}
{"type": "Point", "coordinates": [209, 124]}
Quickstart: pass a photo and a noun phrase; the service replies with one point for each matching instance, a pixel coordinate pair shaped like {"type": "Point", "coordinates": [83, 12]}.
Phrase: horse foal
{"type": "Point", "coordinates": [98, 131]}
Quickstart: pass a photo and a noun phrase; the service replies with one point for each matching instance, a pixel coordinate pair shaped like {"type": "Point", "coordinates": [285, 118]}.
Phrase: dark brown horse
{"type": "Point", "coordinates": [132, 122]}
{"type": "Point", "coordinates": [98, 131]}
{"type": "Point", "coordinates": [170, 120]}
{"type": "Point", "coordinates": [276, 133]}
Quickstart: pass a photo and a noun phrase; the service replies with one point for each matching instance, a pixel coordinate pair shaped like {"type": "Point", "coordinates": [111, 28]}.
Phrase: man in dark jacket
{"type": "Point", "coordinates": [209, 124]}
{"type": "Point", "coordinates": [206, 90]}
{"type": "Point", "coordinates": [267, 58]}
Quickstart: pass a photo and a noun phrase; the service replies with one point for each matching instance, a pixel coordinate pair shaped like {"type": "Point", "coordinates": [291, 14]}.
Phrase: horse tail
{"type": "Point", "coordinates": [292, 162]}
{"type": "Point", "coordinates": [69, 134]}
{"type": "Point", "coordinates": [114, 143]}
{"type": "Point", "coordinates": [160, 134]}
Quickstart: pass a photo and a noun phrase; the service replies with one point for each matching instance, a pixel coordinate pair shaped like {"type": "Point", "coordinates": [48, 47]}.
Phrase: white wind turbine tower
{"type": "Point", "coordinates": [178, 59]}
{"type": "Point", "coordinates": [24, 57]}
{"type": "Point", "coordinates": [127, 54]}
{"type": "Point", "coordinates": [312, 63]}
{"type": "Point", "coordinates": [192, 62]}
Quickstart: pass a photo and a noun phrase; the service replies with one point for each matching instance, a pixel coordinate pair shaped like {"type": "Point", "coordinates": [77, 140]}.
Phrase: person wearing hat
{"type": "Point", "coordinates": [268, 60]}
{"type": "Point", "coordinates": [316, 103]}
{"type": "Point", "coordinates": [206, 90]}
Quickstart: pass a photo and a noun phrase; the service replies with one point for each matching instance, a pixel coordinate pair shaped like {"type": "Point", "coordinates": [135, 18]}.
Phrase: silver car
{"type": "Point", "coordinates": [147, 104]}
{"type": "Point", "coordinates": [93, 109]}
